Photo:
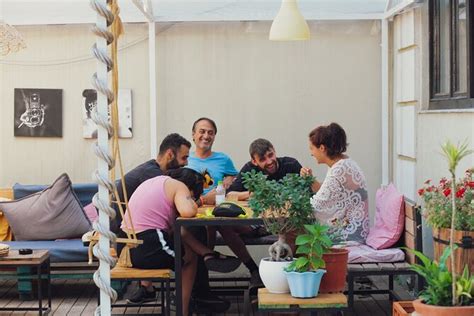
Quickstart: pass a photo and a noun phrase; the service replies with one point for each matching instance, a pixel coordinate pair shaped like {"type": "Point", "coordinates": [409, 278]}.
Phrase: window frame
{"type": "Point", "coordinates": [452, 99]}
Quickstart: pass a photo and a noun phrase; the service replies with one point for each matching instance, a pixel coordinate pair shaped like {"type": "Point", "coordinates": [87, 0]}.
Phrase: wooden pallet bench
{"type": "Point", "coordinates": [412, 239]}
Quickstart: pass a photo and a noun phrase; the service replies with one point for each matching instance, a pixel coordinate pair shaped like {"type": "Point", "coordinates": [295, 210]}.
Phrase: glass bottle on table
{"type": "Point", "coordinates": [220, 193]}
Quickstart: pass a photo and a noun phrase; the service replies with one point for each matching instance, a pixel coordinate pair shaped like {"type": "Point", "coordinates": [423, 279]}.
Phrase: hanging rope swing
{"type": "Point", "coordinates": [111, 34]}
{"type": "Point", "coordinates": [116, 30]}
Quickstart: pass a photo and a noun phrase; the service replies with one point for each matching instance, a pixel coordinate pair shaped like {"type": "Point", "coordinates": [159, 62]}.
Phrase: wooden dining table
{"type": "Point", "coordinates": [203, 219]}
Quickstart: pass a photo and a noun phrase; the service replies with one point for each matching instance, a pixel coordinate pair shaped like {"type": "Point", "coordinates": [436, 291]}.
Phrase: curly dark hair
{"type": "Point", "coordinates": [192, 179]}
{"type": "Point", "coordinates": [174, 142]}
{"type": "Point", "coordinates": [332, 136]}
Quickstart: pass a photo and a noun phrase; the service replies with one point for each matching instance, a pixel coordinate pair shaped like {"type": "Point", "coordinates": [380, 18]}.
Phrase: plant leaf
{"type": "Point", "coordinates": [303, 249]}
{"type": "Point", "coordinates": [303, 240]}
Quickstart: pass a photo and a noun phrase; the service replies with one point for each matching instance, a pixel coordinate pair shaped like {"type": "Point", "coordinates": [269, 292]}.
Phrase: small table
{"type": "Point", "coordinates": [269, 302]}
{"type": "Point", "coordinates": [39, 259]}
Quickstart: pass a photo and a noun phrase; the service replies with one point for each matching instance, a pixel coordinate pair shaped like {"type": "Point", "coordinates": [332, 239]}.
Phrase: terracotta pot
{"type": "Point", "coordinates": [433, 310]}
{"type": "Point", "coordinates": [336, 266]}
{"type": "Point", "coordinates": [464, 255]}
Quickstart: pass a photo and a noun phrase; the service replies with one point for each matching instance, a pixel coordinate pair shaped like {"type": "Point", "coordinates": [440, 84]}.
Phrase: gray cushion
{"type": "Point", "coordinates": [54, 213]}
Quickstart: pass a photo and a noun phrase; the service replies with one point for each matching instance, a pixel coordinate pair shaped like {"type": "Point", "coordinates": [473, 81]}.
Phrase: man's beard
{"type": "Point", "coordinates": [173, 164]}
{"type": "Point", "coordinates": [275, 166]}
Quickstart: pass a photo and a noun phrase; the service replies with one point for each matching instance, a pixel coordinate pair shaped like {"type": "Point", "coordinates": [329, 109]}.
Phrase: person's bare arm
{"type": "Point", "coordinates": [184, 201]}
{"type": "Point", "coordinates": [239, 196]}
{"type": "Point", "coordinates": [209, 198]}
{"type": "Point", "coordinates": [227, 181]}
{"type": "Point", "coordinates": [308, 172]}
{"type": "Point", "coordinates": [315, 186]}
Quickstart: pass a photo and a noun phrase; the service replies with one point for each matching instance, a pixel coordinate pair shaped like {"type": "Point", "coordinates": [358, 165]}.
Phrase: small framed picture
{"type": "Point", "coordinates": [38, 112]}
{"type": "Point", "coordinates": [124, 108]}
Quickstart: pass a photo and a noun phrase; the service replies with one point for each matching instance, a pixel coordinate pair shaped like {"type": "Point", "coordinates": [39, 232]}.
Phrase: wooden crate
{"type": "Point", "coordinates": [269, 301]}
{"type": "Point", "coordinates": [402, 308]}
{"type": "Point", "coordinates": [464, 255]}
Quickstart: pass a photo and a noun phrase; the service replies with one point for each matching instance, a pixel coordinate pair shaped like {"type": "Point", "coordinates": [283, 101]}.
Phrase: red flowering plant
{"type": "Point", "coordinates": [438, 206]}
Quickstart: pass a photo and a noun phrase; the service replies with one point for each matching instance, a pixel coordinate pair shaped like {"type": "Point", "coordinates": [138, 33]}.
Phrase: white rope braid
{"type": "Point", "coordinates": [101, 151]}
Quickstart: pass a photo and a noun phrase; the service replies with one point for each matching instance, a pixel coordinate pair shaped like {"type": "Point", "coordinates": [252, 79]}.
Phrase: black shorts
{"type": "Point", "coordinates": [156, 252]}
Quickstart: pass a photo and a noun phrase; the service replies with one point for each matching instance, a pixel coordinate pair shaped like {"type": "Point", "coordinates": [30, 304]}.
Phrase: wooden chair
{"type": "Point", "coordinates": [412, 239]}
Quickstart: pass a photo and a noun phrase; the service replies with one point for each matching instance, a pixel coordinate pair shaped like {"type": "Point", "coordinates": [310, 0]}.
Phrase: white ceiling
{"type": "Point", "coordinates": [34, 12]}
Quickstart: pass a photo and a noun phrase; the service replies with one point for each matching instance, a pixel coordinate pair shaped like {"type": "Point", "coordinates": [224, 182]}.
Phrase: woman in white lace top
{"type": "Point", "coordinates": [341, 200]}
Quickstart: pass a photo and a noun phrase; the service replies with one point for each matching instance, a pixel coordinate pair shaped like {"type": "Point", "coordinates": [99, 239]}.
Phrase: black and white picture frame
{"type": "Point", "coordinates": [89, 105]}
{"type": "Point", "coordinates": [38, 112]}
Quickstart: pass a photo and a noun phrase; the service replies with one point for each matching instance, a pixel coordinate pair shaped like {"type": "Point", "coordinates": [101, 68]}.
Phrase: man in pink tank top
{"type": "Point", "coordinates": [153, 208]}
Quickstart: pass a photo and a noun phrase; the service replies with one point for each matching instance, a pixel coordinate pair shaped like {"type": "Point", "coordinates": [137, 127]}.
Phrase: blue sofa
{"type": "Point", "coordinates": [65, 250]}
{"type": "Point", "coordinates": [68, 257]}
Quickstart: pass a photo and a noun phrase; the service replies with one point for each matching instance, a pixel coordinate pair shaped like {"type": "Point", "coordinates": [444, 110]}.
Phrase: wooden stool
{"type": "Point", "coordinates": [162, 276]}
{"type": "Point", "coordinates": [268, 302]}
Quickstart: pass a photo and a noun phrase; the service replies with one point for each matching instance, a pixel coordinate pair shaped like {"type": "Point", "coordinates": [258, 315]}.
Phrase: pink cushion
{"type": "Point", "coordinates": [91, 212]}
{"type": "Point", "coordinates": [366, 254]}
{"type": "Point", "coordinates": [389, 218]}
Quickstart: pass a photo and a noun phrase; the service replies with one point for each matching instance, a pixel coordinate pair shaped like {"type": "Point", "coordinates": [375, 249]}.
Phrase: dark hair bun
{"type": "Point", "coordinates": [332, 136]}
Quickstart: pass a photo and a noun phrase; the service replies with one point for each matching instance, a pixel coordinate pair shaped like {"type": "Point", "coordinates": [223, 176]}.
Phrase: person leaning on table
{"type": "Point", "coordinates": [341, 200]}
{"type": "Point", "coordinates": [154, 207]}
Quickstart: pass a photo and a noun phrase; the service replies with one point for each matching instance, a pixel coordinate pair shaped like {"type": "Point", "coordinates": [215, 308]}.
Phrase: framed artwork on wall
{"type": "Point", "coordinates": [125, 113]}
{"type": "Point", "coordinates": [38, 112]}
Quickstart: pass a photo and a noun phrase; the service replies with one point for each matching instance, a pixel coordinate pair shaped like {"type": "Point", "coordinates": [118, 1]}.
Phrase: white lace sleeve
{"type": "Point", "coordinates": [322, 201]}
{"type": "Point", "coordinates": [341, 202]}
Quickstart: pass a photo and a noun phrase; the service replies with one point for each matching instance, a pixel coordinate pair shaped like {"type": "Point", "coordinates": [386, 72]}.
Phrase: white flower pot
{"type": "Point", "coordinates": [271, 273]}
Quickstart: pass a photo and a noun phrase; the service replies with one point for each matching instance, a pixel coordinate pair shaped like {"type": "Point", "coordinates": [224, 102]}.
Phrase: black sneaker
{"type": "Point", "coordinates": [141, 295]}
{"type": "Point", "coordinates": [209, 303]}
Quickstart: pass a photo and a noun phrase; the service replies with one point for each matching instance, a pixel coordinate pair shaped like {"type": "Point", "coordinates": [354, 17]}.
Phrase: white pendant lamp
{"type": "Point", "coordinates": [289, 24]}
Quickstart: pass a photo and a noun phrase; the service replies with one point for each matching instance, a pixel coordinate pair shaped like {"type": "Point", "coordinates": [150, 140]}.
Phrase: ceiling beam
{"type": "Point", "coordinates": [146, 10]}
{"type": "Point", "coordinates": [402, 6]}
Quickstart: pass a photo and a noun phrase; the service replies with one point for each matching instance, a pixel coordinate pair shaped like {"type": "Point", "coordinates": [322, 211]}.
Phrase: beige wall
{"type": "Point", "coordinates": [435, 129]}
{"type": "Point", "coordinates": [278, 90]}
{"type": "Point", "coordinates": [59, 57]}
{"type": "Point", "coordinates": [229, 71]}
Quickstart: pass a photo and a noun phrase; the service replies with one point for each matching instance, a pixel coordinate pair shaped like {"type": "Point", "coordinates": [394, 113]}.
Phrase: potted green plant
{"type": "Point", "coordinates": [447, 293]}
{"type": "Point", "coordinates": [437, 297]}
{"type": "Point", "coordinates": [285, 208]}
{"type": "Point", "coordinates": [437, 212]}
{"type": "Point", "coordinates": [305, 273]}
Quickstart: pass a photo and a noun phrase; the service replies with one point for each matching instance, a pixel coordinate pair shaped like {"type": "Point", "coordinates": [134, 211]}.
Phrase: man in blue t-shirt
{"type": "Point", "coordinates": [218, 165]}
